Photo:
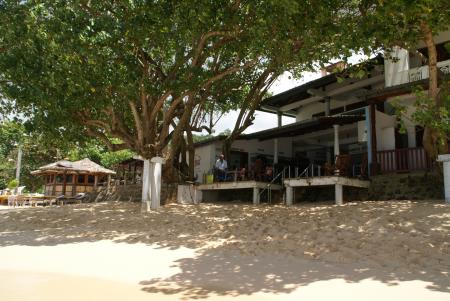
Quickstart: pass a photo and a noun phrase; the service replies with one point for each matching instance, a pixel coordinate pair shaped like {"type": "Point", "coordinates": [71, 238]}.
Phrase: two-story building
{"type": "Point", "coordinates": [341, 114]}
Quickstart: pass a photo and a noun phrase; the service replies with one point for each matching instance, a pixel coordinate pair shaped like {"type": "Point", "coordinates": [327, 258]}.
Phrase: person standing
{"type": "Point", "coordinates": [221, 167]}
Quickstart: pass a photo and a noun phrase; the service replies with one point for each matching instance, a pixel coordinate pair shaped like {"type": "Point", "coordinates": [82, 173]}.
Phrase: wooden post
{"type": "Point", "coordinates": [74, 185]}
{"type": "Point", "coordinates": [54, 185]}
{"type": "Point", "coordinates": [95, 182]}
{"type": "Point", "coordinates": [256, 199]}
{"type": "Point", "coordinates": [64, 183]}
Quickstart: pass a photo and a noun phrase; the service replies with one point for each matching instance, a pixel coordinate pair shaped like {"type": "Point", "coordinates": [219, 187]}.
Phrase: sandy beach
{"type": "Point", "coordinates": [316, 251]}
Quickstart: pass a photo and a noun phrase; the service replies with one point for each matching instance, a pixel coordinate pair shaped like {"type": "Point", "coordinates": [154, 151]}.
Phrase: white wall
{"type": "Point", "coordinates": [206, 155]}
{"type": "Point", "coordinates": [265, 147]}
{"type": "Point", "coordinates": [385, 131]}
{"type": "Point", "coordinates": [306, 112]}
{"type": "Point", "coordinates": [204, 160]}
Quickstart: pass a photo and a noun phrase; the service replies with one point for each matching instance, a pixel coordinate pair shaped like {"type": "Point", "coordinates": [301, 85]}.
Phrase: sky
{"type": "Point", "coordinates": [285, 82]}
{"type": "Point", "coordinates": [265, 120]}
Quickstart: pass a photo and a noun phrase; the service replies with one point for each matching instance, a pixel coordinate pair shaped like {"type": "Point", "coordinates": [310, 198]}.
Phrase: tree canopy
{"type": "Point", "coordinates": [142, 71]}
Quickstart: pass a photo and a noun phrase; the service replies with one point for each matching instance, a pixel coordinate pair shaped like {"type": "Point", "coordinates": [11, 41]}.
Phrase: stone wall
{"type": "Point", "coordinates": [410, 186]}
{"type": "Point", "coordinates": [133, 193]}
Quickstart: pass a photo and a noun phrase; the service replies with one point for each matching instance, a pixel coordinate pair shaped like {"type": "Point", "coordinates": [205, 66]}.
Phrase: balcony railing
{"type": "Point", "coordinates": [403, 160]}
{"type": "Point", "coordinates": [416, 74]}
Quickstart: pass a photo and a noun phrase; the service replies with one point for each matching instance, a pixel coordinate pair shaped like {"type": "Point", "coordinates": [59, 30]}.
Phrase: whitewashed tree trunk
{"type": "Point", "coordinates": [146, 188]}
{"type": "Point", "coordinates": [156, 170]}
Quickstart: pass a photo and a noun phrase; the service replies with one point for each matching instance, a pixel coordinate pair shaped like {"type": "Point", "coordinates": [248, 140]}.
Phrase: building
{"type": "Point", "coordinates": [338, 115]}
{"type": "Point", "coordinates": [69, 178]}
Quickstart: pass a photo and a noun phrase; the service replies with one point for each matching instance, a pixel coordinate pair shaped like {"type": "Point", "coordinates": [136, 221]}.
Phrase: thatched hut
{"type": "Point", "coordinates": [69, 178]}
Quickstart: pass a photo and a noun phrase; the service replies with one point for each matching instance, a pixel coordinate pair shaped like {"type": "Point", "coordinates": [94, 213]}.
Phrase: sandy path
{"type": "Point", "coordinates": [368, 251]}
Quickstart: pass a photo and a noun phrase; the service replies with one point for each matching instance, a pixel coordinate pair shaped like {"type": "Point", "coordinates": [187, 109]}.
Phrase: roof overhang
{"type": "Point", "coordinates": [304, 127]}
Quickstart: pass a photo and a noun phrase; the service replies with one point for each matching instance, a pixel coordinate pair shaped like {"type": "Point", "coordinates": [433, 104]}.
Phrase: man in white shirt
{"type": "Point", "coordinates": [221, 167]}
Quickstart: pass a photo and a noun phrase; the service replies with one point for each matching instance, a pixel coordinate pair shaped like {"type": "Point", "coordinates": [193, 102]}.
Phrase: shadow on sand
{"type": "Point", "coordinates": [242, 250]}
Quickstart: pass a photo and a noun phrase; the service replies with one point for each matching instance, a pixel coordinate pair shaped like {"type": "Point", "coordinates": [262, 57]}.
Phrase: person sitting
{"type": "Point", "coordinates": [258, 170]}
{"type": "Point", "coordinates": [268, 175]}
{"type": "Point", "coordinates": [221, 168]}
{"type": "Point", "coordinates": [242, 174]}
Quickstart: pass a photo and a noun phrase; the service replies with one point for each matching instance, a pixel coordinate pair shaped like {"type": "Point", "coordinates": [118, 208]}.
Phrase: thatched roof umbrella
{"type": "Point", "coordinates": [81, 167]}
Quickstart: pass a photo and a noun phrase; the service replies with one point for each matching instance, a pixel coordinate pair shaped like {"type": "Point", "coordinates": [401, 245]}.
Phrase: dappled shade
{"type": "Point", "coordinates": [241, 249]}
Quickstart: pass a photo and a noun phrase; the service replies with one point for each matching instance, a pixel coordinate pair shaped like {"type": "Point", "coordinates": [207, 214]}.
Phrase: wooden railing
{"type": "Point", "coordinates": [403, 160]}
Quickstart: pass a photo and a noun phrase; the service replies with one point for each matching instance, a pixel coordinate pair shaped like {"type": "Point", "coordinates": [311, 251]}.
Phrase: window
{"type": "Point", "coordinates": [91, 179]}
{"type": "Point", "coordinates": [80, 179]}
{"type": "Point", "coordinates": [59, 178]}
{"type": "Point", "coordinates": [69, 179]}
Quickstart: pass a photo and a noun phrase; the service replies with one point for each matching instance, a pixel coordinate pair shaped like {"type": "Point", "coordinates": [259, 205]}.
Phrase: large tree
{"type": "Point", "coordinates": [405, 23]}
{"type": "Point", "coordinates": [147, 71]}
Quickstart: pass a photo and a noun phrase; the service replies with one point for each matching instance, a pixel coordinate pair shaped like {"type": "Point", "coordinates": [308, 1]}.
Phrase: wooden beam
{"type": "Point", "coordinates": [341, 90]}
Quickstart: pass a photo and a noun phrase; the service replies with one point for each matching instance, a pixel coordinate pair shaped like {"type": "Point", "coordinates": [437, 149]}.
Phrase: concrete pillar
{"type": "Point", "coordinates": [327, 106]}
{"type": "Point", "coordinates": [145, 181]}
{"type": "Point", "coordinates": [256, 199]}
{"type": "Point", "coordinates": [289, 195]}
{"type": "Point", "coordinates": [338, 194]}
{"type": "Point", "coordinates": [155, 182]}
{"type": "Point", "coordinates": [275, 141]}
{"type": "Point", "coordinates": [18, 165]}
{"type": "Point", "coordinates": [336, 139]}
{"type": "Point", "coordinates": [275, 151]}
{"type": "Point", "coordinates": [446, 160]}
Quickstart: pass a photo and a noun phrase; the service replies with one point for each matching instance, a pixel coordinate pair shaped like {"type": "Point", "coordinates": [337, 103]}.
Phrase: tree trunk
{"type": "Point", "coordinates": [226, 147]}
{"type": "Point", "coordinates": [191, 153]}
{"type": "Point", "coordinates": [432, 138]}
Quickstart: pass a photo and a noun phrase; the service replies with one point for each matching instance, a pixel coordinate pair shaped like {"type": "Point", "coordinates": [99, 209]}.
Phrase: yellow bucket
{"type": "Point", "coordinates": [209, 179]}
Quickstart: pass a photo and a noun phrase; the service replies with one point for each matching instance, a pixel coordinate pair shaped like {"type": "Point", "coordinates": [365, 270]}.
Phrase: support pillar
{"type": "Point", "coordinates": [327, 106]}
{"type": "Point", "coordinates": [289, 195]}
{"type": "Point", "coordinates": [146, 186]}
{"type": "Point", "coordinates": [275, 151]}
{"type": "Point", "coordinates": [108, 185]}
{"type": "Point", "coordinates": [336, 139]}
{"type": "Point", "coordinates": [373, 138]}
{"type": "Point", "coordinates": [275, 141]}
{"type": "Point", "coordinates": [338, 194]}
{"type": "Point", "coordinates": [256, 199]}
{"type": "Point", "coordinates": [155, 182]}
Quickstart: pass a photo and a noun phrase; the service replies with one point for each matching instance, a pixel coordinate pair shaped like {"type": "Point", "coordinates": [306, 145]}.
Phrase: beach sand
{"type": "Point", "coordinates": [317, 251]}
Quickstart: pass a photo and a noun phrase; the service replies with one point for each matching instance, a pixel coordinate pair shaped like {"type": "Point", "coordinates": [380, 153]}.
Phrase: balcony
{"type": "Point", "coordinates": [414, 74]}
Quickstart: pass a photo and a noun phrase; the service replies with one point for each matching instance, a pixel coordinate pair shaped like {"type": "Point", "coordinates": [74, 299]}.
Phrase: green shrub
{"type": "Point", "coordinates": [13, 184]}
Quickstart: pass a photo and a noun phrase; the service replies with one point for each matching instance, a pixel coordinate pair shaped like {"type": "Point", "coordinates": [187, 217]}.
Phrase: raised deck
{"type": "Point", "coordinates": [255, 185]}
{"type": "Point", "coordinates": [337, 181]}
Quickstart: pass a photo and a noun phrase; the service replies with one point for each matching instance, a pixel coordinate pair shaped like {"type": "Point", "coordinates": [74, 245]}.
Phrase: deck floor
{"type": "Point", "coordinates": [238, 185]}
